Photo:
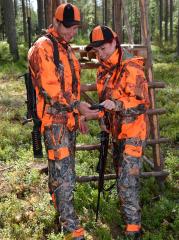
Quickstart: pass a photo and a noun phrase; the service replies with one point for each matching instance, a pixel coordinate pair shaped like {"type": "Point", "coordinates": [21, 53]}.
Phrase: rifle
{"type": "Point", "coordinates": [104, 142]}
{"type": "Point", "coordinates": [104, 136]}
{"type": "Point", "coordinates": [32, 116]}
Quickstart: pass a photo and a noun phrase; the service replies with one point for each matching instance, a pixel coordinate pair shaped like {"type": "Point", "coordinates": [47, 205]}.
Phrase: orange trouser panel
{"type": "Point", "coordinates": [133, 228]}
{"type": "Point", "coordinates": [54, 200]}
{"type": "Point", "coordinates": [61, 153]}
{"type": "Point", "coordinates": [77, 233]}
{"type": "Point", "coordinates": [134, 151]}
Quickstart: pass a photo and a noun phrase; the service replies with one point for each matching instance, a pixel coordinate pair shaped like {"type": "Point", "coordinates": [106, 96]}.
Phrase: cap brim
{"type": "Point", "coordinates": [70, 23]}
{"type": "Point", "coordinates": [94, 44]}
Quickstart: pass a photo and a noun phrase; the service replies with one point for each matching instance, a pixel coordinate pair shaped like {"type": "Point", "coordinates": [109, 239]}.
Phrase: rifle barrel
{"type": "Point", "coordinates": [101, 165]}
{"type": "Point", "coordinates": [97, 208]}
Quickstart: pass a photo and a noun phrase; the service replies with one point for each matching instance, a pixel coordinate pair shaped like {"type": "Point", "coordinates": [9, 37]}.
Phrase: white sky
{"type": "Point", "coordinates": [34, 4]}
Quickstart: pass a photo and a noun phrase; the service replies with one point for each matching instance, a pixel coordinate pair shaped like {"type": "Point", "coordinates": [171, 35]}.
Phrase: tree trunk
{"type": "Point", "coordinates": [117, 18]}
{"type": "Point", "coordinates": [105, 12]}
{"type": "Point", "coordinates": [24, 20]}
{"type": "Point", "coordinates": [95, 13]}
{"type": "Point", "coordinates": [55, 4]}
{"type": "Point", "coordinates": [48, 12]}
{"type": "Point", "coordinates": [40, 11]}
{"type": "Point", "coordinates": [15, 8]}
{"type": "Point", "coordinates": [10, 27]}
{"type": "Point", "coordinates": [160, 20]}
{"type": "Point", "coordinates": [166, 20]}
{"type": "Point", "coordinates": [178, 35]}
{"type": "Point", "coordinates": [2, 27]}
{"type": "Point", "coordinates": [171, 21]}
{"type": "Point", "coordinates": [126, 20]}
{"type": "Point", "coordinates": [50, 8]}
{"type": "Point", "coordinates": [113, 27]}
{"type": "Point", "coordinates": [136, 25]}
{"type": "Point", "coordinates": [109, 12]}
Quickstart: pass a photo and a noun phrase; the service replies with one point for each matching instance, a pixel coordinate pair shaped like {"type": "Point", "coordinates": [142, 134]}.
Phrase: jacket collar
{"type": "Point", "coordinates": [51, 30]}
{"type": "Point", "coordinates": [112, 60]}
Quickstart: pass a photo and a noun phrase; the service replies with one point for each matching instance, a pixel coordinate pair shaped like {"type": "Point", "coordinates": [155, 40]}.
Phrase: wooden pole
{"type": "Point", "coordinates": [83, 179]}
{"type": "Point", "coordinates": [87, 147]}
{"type": "Point", "coordinates": [43, 168]}
{"type": "Point", "coordinates": [153, 120]}
{"type": "Point", "coordinates": [92, 87]}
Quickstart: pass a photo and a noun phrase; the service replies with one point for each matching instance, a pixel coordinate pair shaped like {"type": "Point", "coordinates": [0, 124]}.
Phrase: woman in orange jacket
{"type": "Point", "coordinates": [60, 110]}
{"type": "Point", "coordinates": [123, 92]}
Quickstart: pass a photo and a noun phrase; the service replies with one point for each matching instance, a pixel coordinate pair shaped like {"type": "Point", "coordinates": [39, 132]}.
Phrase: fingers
{"type": "Point", "coordinates": [85, 108]}
{"type": "Point", "coordinates": [108, 104]}
{"type": "Point", "coordinates": [92, 116]}
{"type": "Point", "coordinates": [85, 104]}
{"type": "Point", "coordinates": [83, 125]}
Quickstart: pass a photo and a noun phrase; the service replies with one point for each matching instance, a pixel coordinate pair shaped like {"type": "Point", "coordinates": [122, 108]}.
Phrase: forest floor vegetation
{"type": "Point", "coordinates": [25, 209]}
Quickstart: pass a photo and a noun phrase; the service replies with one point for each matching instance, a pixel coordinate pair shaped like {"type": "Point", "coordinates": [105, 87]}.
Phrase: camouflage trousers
{"type": "Point", "coordinates": [62, 177]}
{"type": "Point", "coordinates": [128, 170]}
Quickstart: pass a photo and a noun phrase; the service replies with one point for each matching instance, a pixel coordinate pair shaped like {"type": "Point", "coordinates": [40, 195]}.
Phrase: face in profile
{"type": "Point", "coordinates": [106, 50]}
{"type": "Point", "coordinates": [67, 33]}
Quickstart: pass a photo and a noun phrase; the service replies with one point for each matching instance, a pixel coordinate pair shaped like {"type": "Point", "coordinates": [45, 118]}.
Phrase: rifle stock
{"type": "Point", "coordinates": [32, 116]}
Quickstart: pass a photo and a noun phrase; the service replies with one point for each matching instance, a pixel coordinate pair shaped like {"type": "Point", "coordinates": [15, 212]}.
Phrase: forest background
{"type": "Point", "coordinates": [25, 209]}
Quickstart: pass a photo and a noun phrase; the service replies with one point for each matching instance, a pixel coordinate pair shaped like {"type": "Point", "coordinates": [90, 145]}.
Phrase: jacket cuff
{"type": "Point", "coordinates": [118, 105]}
{"type": "Point", "coordinates": [75, 104]}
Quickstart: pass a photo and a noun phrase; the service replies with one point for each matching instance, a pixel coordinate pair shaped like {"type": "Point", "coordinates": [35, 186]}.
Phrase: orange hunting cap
{"type": "Point", "coordinates": [100, 35]}
{"type": "Point", "coordinates": [68, 14]}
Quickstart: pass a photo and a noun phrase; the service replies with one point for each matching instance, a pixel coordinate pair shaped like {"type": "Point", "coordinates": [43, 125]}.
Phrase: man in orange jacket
{"type": "Point", "coordinates": [123, 91]}
{"type": "Point", "coordinates": [60, 110]}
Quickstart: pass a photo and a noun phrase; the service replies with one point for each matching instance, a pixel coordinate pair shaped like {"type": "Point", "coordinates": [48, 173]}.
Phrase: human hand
{"type": "Point", "coordinates": [92, 116]}
{"type": "Point", "coordinates": [84, 108]}
{"type": "Point", "coordinates": [108, 105]}
{"type": "Point", "coordinates": [83, 125]}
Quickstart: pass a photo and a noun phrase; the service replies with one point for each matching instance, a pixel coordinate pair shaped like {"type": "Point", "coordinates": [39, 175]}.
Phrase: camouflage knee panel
{"type": "Point", "coordinates": [128, 189]}
{"type": "Point", "coordinates": [61, 186]}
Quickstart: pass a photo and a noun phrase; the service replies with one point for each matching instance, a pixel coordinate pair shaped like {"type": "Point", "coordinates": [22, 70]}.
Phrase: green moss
{"type": "Point", "coordinates": [25, 209]}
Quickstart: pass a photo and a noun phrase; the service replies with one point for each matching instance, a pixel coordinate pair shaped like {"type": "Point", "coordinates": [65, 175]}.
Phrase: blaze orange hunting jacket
{"type": "Point", "coordinates": [57, 90]}
{"type": "Point", "coordinates": [126, 85]}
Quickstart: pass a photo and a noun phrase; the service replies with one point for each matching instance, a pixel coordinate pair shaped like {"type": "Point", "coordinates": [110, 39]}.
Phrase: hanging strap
{"type": "Point", "coordinates": [56, 57]}
{"type": "Point", "coordinates": [55, 49]}
{"type": "Point", "coordinates": [60, 66]}
{"type": "Point", "coordinates": [74, 78]}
